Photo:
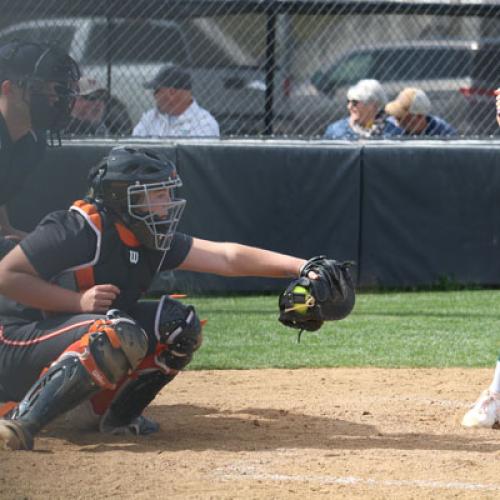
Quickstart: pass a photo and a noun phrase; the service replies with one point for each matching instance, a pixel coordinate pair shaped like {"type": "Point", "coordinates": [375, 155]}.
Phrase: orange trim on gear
{"type": "Point", "coordinates": [6, 407]}
{"type": "Point", "coordinates": [105, 325]}
{"type": "Point", "coordinates": [80, 347]}
{"type": "Point", "coordinates": [127, 236]}
{"type": "Point", "coordinates": [91, 211]}
{"type": "Point", "coordinates": [23, 343]}
{"type": "Point", "coordinates": [85, 277]}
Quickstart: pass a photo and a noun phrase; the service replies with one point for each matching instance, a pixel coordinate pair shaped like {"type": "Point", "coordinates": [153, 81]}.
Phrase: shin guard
{"type": "Point", "coordinates": [135, 394]}
{"type": "Point", "coordinates": [99, 360]}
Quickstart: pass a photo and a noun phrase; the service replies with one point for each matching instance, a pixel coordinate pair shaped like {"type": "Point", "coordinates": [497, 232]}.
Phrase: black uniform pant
{"type": "Point", "coordinates": [26, 348]}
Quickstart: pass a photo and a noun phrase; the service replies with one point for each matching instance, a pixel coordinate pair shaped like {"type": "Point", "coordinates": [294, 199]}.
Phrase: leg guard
{"type": "Point", "coordinates": [116, 411]}
{"type": "Point", "coordinates": [178, 331]}
{"type": "Point", "coordinates": [102, 357]}
{"type": "Point", "coordinates": [131, 400]}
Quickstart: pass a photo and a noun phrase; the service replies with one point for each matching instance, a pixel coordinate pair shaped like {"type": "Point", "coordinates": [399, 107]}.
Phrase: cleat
{"type": "Point", "coordinates": [485, 412]}
{"type": "Point", "coordinates": [140, 426]}
{"type": "Point", "coordinates": [14, 437]}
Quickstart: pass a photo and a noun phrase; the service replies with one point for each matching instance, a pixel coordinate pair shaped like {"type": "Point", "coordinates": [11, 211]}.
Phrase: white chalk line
{"type": "Point", "coordinates": [249, 473]}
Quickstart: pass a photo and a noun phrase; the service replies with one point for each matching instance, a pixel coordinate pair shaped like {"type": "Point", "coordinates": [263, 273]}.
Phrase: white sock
{"type": "Point", "coordinates": [495, 384]}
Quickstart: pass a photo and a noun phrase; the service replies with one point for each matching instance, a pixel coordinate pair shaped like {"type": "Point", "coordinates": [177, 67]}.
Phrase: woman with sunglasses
{"type": "Point", "coordinates": [365, 103]}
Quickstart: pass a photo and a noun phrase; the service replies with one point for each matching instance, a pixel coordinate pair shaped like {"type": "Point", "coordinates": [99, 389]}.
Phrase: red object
{"type": "Point", "coordinates": [471, 91]}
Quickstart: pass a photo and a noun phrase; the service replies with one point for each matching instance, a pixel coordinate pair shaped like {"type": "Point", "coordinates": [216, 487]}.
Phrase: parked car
{"type": "Point", "coordinates": [440, 68]}
{"type": "Point", "coordinates": [226, 80]}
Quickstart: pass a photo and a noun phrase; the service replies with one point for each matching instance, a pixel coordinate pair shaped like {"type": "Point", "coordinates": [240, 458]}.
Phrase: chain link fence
{"type": "Point", "coordinates": [281, 68]}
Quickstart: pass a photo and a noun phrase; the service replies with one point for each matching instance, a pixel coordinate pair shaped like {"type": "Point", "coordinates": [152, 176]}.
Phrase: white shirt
{"type": "Point", "coordinates": [194, 122]}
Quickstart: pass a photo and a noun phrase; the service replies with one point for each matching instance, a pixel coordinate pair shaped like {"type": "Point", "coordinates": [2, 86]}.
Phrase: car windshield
{"type": "Point", "coordinates": [486, 66]}
{"type": "Point", "coordinates": [135, 43]}
{"type": "Point", "coordinates": [396, 64]}
{"type": "Point", "coordinates": [60, 35]}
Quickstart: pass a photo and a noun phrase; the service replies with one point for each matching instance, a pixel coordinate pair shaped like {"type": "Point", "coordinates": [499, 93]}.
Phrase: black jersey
{"type": "Point", "coordinates": [68, 242]}
{"type": "Point", "coordinates": [17, 160]}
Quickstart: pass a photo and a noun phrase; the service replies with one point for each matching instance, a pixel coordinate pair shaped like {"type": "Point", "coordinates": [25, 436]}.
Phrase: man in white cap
{"type": "Point", "coordinates": [365, 103]}
{"type": "Point", "coordinates": [97, 113]}
{"type": "Point", "coordinates": [412, 112]}
{"type": "Point", "coordinates": [176, 113]}
{"type": "Point", "coordinates": [87, 115]}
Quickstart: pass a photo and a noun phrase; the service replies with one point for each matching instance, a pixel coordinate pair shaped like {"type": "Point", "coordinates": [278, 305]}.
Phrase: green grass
{"type": "Point", "coordinates": [413, 329]}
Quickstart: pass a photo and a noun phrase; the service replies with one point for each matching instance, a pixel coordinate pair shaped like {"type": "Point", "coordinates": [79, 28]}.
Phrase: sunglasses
{"type": "Point", "coordinates": [354, 102]}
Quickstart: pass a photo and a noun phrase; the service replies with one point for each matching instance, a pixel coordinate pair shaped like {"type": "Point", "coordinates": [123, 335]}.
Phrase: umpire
{"type": "Point", "coordinates": [36, 95]}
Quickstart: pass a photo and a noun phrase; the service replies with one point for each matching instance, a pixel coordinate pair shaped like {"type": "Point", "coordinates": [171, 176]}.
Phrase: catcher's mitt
{"type": "Point", "coordinates": [307, 302]}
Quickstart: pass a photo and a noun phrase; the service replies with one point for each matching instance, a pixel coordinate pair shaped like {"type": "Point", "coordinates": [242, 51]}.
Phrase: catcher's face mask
{"type": "Point", "coordinates": [155, 212]}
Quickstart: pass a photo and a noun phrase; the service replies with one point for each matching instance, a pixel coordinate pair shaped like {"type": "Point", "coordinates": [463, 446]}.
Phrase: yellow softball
{"type": "Point", "coordinates": [302, 308]}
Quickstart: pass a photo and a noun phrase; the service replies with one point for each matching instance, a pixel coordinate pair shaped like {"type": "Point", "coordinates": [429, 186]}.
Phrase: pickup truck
{"type": "Point", "coordinates": [226, 80]}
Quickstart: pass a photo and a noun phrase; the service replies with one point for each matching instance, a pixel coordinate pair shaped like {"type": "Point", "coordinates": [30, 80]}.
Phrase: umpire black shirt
{"type": "Point", "coordinates": [17, 160]}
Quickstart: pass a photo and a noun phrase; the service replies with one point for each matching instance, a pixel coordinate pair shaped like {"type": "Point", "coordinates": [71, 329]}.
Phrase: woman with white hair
{"type": "Point", "coordinates": [365, 102]}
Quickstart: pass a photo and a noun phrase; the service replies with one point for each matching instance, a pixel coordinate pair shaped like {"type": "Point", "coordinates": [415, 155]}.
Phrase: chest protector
{"type": "Point", "coordinates": [120, 259]}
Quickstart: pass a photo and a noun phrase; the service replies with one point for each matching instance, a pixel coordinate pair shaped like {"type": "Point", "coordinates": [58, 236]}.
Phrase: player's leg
{"type": "Point", "coordinates": [108, 350]}
{"type": "Point", "coordinates": [177, 331]}
{"type": "Point", "coordinates": [27, 348]}
{"type": "Point", "coordinates": [486, 410]}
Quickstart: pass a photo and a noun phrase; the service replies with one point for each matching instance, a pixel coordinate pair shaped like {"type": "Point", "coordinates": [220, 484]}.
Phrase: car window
{"type": "Point", "coordinates": [391, 64]}
{"type": "Point", "coordinates": [62, 35]}
{"type": "Point", "coordinates": [215, 51]}
{"type": "Point", "coordinates": [421, 64]}
{"type": "Point", "coordinates": [486, 66]}
{"type": "Point", "coordinates": [135, 43]}
{"type": "Point", "coordinates": [408, 63]}
{"type": "Point", "coordinates": [445, 62]}
{"type": "Point", "coordinates": [352, 69]}
{"type": "Point", "coordinates": [454, 63]}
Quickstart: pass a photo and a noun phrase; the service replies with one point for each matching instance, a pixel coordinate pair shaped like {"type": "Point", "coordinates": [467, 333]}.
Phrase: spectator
{"type": "Point", "coordinates": [176, 113]}
{"type": "Point", "coordinates": [365, 103]}
{"type": "Point", "coordinates": [97, 113]}
{"type": "Point", "coordinates": [411, 111]}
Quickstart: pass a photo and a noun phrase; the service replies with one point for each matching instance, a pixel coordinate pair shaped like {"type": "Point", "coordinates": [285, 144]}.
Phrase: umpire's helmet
{"type": "Point", "coordinates": [31, 65]}
{"type": "Point", "coordinates": [138, 185]}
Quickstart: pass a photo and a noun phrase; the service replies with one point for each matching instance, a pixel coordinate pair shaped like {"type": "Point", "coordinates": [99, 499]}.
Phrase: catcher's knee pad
{"type": "Point", "coordinates": [112, 348]}
{"type": "Point", "coordinates": [178, 327]}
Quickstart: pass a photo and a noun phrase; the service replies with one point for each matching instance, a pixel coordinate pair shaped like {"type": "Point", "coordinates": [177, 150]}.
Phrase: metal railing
{"type": "Point", "coordinates": [276, 67]}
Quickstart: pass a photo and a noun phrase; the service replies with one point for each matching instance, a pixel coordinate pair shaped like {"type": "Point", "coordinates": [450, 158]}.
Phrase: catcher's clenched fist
{"type": "Point", "coordinates": [323, 292]}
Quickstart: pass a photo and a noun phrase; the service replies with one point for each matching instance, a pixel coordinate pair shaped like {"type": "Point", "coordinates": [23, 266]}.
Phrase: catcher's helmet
{"type": "Point", "coordinates": [138, 186]}
{"type": "Point", "coordinates": [32, 65]}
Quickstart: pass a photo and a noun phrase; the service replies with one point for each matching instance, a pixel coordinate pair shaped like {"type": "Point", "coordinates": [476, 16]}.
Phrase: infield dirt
{"type": "Point", "coordinates": [323, 433]}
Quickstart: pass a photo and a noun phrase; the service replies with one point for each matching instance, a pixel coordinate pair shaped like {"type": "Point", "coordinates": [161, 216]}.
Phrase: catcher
{"type": "Point", "coordinates": [74, 334]}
